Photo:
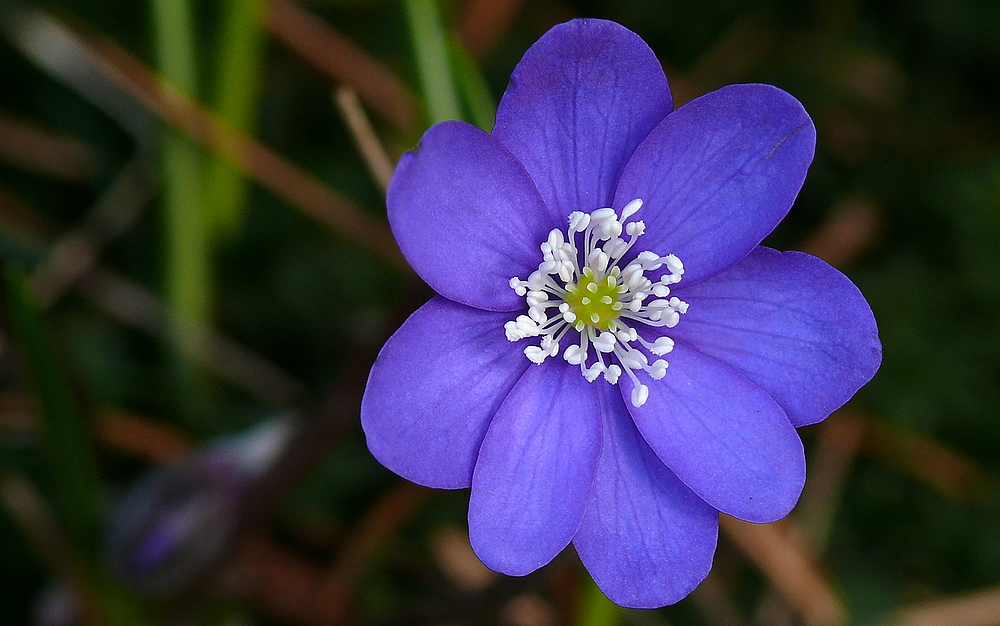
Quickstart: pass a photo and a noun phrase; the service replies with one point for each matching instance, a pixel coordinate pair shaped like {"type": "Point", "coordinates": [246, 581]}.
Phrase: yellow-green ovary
{"type": "Point", "coordinates": [595, 303]}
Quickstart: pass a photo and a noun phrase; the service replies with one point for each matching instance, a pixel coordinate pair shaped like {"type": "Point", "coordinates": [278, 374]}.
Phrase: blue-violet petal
{"type": "Point", "coordinates": [792, 324]}
{"type": "Point", "coordinates": [718, 174]}
{"type": "Point", "coordinates": [646, 538]}
{"type": "Point", "coordinates": [578, 104]}
{"type": "Point", "coordinates": [723, 436]}
{"type": "Point", "coordinates": [466, 216]}
{"type": "Point", "coordinates": [535, 470]}
{"type": "Point", "coordinates": [434, 389]}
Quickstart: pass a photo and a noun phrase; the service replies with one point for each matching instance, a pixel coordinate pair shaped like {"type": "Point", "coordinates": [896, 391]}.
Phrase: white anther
{"type": "Point", "coordinates": [592, 372]}
{"type": "Point", "coordinates": [605, 342]}
{"type": "Point", "coordinates": [550, 345]}
{"type": "Point", "coordinates": [661, 291]}
{"type": "Point", "coordinates": [658, 369]}
{"type": "Point", "coordinates": [535, 354]}
{"type": "Point", "coordinates": [574, 355]}
{"type": "Point", "coordinates": [674, 264]}
{"type": "Point", "coordinates": [578, 221]}
{"type": "Point", "coordinates": [537, 313]}
{"type": "Point", "coordinates": [612, 373]}
{"type": "Point", "coordinates": [649, 260]}
{"type": "Point", "coordinates": [598, 260]}
{"type": "Point", "coordinates": [616, 247]}
{"type": "Point", "coordinates": [519, 286]}
{"type": "Point", "coordinates": [629, 209]}
{"type": "Point", "coordinates": [566, 271]}
{"type": "Point", "coordinates": [632, 359]}
{"type": "Point", "coordinates": [640, 393]}
{"type": "Point", "coordinates": [536, 297]}
{"type": "Point", "coordinates": [671, 318]}
{"type": "Point", "coordinates": [662, 346]}
{"type": "Point", "coordinates": [569, 316]}
{"type": "Point", "coordinates": [636, 229]}
{"type": "Point", "coordinates": [536, 281]}
{"type": "Point", "coordinates": [601, 216]}
{"type": "Point", "coordinates": [555, 239]}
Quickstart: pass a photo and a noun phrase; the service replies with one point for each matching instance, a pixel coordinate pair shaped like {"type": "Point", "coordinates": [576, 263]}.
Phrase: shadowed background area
{"type": "Point", "coordinates": [198, 274]}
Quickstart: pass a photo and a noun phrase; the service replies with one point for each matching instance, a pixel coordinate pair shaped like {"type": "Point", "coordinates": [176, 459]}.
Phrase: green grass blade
{"type": "Point", "coordinates": [476, 96]}
{"type": "Point", "coordinates": [596, 609]}
{"type": "Point", "coordinates": [430, 45]}
{"type": "Point", "coordinates": [237, 92]}
{"type": "Point", "coordinates": [72, 480]}
{"type": "Point", "coordinates": [186, 226]}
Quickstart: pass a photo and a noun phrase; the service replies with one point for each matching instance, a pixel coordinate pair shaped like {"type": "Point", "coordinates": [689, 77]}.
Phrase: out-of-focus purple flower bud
{"type": "Point", "coordinates": [178, 522]}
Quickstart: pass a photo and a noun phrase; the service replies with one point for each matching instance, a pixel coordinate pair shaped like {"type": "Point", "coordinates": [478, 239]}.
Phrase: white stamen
{"type": "Point", "coordinates": [640, 393]}
{"type": "Point", "coordinates": [630, 209]}
{"type": "Point", "coordinates": [580, 279]}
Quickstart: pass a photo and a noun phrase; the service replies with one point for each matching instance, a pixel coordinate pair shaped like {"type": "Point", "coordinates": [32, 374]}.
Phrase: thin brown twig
{"type": "Point", "coordinates": [850, 230]}
{"type": "Point", "coordinates": [371, 149]}
{"type": "Point", "coordinates": [838, 442]}
{"type": "Point", "coordinates": [331, 600]}
{"type": "Point", "coordinates": [790, 569]}
{"type": "Point", "coordinates": [925, 459]}
{"type": "Point", "coordinates": [259, 162]}
{"type": "Point", "coordinates": [978, 608]}
{"type": "Point", "coordinates": [74, 254]}
{"type": "Point", "coordinates": [121, 431]}
{"type": "Point", "coordinates": [344, 62]}
{"type": "Point", "coordinates": [42, 151]}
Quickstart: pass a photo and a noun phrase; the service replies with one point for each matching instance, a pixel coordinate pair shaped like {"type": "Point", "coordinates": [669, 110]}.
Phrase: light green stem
{"type": "Point", "coordinates": [237, 90]}
{"type": "Point", "coordinates": [188, 280]}
{"type": "Point", "coordinates": [476, 94]}
{"type": "Point", "coordinates": [430, 46]}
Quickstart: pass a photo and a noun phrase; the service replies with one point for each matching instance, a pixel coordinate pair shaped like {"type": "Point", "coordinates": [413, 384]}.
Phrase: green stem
{"type": "Point", "coordinates": [596, 609]}
{"type": "Point", "coordinates": [70, 460]}
{"type": "Point", "coordinates": [475, 91]}
{"type": "Point", "coordinates": [237, 90]}
{"type": "Point", "coordinates": [430, 46]}
{"type": "Point", "coordinates": [188, 280]}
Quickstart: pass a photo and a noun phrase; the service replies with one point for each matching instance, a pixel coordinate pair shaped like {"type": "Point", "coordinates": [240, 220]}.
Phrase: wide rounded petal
{"type": "Point", "coordinates": [718, 174]}
{"type": "Point", "coordinates": [646, 538]}
{"type": "Point", "coordinates": [467, 216]}
{"type": "Point", "coordinates": [723, 436]}
{"type": "Point", "coordinates": [535, 470]}
{"type": "Point", "coordinates": [433, 390]}
{"type": "Point", "coordinates": [578, 104]}
{"type": "Point", "coordinates": [792, 324]}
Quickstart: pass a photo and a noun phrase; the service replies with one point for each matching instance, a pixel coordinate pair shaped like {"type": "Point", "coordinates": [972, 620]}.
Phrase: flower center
{"type": "Point", "coordinates": [594, 301]}
{"type": "Point", "coordinates": [581, 284]}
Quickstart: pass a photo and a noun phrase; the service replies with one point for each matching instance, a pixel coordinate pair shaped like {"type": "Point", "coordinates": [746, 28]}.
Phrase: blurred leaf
{"type": "Point", "coordinates": [237, 93]}
{"type": "Point", "coordinates": [70, 460]}
{"type": "Point", "coordinates": [430, 45]}
{"type": "Point", "coordinates": [188, 266]}
{"type": "Point", "coordinates": [476, 94]}
{"type": "Point", "coordinates": [595, 608]}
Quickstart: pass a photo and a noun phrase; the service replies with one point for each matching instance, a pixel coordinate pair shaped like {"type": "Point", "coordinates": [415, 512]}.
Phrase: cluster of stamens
{"type": "Point", "coordinates": [588, 292]}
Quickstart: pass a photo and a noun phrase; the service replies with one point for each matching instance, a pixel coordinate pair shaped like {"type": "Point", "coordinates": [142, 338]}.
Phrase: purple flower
{"type": "Point", "coordinates": [596, 237]}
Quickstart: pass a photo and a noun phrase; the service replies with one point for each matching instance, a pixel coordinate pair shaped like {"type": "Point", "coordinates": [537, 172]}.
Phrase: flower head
{"type": "Point", "coordinates": [612, 358]}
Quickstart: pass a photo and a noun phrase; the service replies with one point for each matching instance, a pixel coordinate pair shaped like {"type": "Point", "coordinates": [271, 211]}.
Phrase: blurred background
{"type": "Point", "coordinates": [197, 275]}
